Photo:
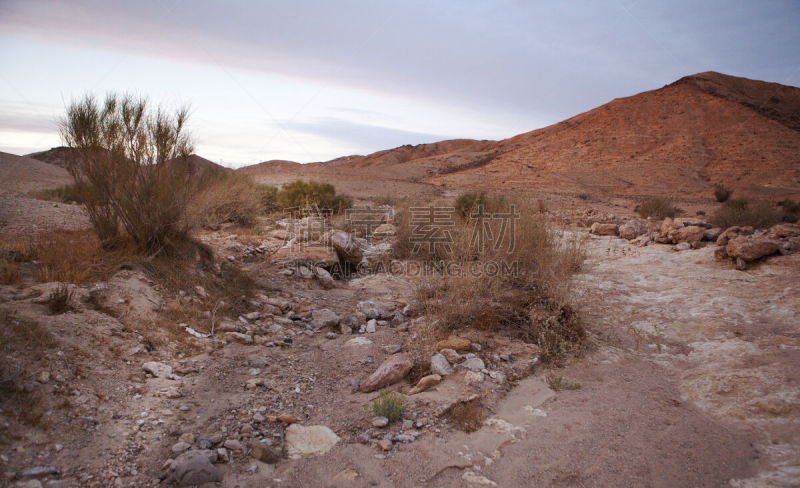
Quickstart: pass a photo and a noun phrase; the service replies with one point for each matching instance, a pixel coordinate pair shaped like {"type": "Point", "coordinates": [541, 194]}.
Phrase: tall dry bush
{"type": "Point", "coordinates": [227, 196]}
{"type": "Point", "coordinates": [740, 211]}
{"type": "Point", "coordinates": [519, 284]}
{"type": "Point", "coordinates": [131, 168]}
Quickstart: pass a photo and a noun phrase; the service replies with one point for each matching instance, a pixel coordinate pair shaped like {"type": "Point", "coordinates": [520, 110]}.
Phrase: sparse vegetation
{"type": "Point", "coordinates": [659, 208]}
{"type": "Point", "coordinates": [388, 404]}
{"type": "Point", "coordinates": [131, 169]}
{"type": "Point", "coordinates": [225, 196]}
{"type": "Point", "coordinates": [558, 383]}
{"type": "Point", "coordinates": [9, 272]}
{"type": "Point", "coordinates": [743, 212]}
{"type": "Point", "coordinates": [59, 299]}
{"type": "Point", "coordinates": [468, 203]}
{"type": "Point", "coordinates": [721, 193]}
{"type": "Point", "coordinates": [520, 287]}
{"type": "Point", "coordinates": [62, 194]}
{"type": "Point", "coordinates": [301, 195]}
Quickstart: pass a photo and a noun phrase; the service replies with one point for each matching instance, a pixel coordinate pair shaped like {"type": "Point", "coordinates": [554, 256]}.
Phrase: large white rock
{"type": "Point", "coordinates": [312, 440]}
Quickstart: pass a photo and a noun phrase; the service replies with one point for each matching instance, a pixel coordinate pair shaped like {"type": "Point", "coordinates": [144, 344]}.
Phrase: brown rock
{"type": "Point", "coordinates": [601, 229]}
{"type": "Point", "coordinates": [750, 249]}
{"type": "Point", "coordinates": [385, 444]}
{"type": "Point", "coordinates": [632, 229]}
{"type": "Point", "coordinates": [691, 233]}
{"type": "Point", "coordinates": [288, 419]}
{"type": "Point", "coordinates": [454, 343]}
{"type": "Point", "coordinates": [425, 382]}
{"type": "Point", "coordinates": [394, 369]}
{"type": "Point", "coordinates": [451, 355]}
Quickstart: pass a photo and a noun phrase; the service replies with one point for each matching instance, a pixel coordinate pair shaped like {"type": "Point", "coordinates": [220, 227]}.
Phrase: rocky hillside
{"type": "Point", "coordinates": [675, 141]}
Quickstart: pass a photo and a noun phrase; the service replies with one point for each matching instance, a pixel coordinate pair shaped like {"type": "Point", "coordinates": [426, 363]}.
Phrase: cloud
{"type": "Point", "coordinates": [368, 138]}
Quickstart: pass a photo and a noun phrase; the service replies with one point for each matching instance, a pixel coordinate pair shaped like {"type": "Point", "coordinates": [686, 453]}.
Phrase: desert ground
{"type": "Point", "coordinates": [688, 374]}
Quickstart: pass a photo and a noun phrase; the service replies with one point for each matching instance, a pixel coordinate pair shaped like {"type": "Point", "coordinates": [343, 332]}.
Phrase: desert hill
{"type": "Point", "coordinates": [58, 156]}
{"type": "Point", "coordinates": [678, 140]}
{"type": "Point", "coordinates": [21, 174]}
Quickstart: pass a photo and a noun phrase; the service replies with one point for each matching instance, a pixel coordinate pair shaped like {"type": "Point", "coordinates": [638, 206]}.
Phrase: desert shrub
{"type": "Point", "coordinates": [224, 196]}
{"type": "Point", "coordinates": [268, 195]}
{"type": "Point", "coordinates": [739, 211]}
{"type": "Point", "coordinates": [659, 208]}
{"type": "Point", "coordinates": [520, 286]}
{"type": "Point", "coordinates": [468, 203]}
{"type": "Point", "coordinates": [131, 169]}
{"type": "Point", "coordinates": [791, 210]}
{"type": "Point", "coordinates": [388, 404]}
{"type": "Point", "coordinates": [301, 195]}
{"type": "Point", "coordinates": [558, 383]}
{"type": "Point", "coordinates": [64, 194]}
{"type": "Point", "coordinates": [9, 272]}
{"type": "Point", "coordinates": [59, 299]}
{"type": "Point", "coordinates": [721, 193]}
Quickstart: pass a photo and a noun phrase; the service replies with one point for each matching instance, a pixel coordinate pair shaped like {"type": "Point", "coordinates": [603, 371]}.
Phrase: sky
{"type": "Point", "coordinates": [314, 80]}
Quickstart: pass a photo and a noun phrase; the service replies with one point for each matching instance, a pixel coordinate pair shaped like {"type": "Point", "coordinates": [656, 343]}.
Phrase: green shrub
{"type": "Point", "coordinates": [721, 193]}
{"type": "Point", "coordinates": [739, 211]}
{"type": "Point", "coordinates": [268, 195]}
{"type": "Point", "coordinates": [659, 208]}
{"type": "Point", "coordinates": [304, 195]}
{"type": "Point", "coordinates": [388, 404]}
{"type": "Point", "coordinates": [558, 383]}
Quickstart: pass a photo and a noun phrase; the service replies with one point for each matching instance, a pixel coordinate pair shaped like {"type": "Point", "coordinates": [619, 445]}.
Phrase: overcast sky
{"type": "Point", "coordinates": [311, 81]}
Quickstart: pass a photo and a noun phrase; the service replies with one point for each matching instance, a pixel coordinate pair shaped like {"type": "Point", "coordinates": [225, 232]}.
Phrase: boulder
{"type": "Point", "coordinates": [632, 229]}
{"type": "Point", "coordinates": [440, 366]}
{"type": "Point", "coordinates": [751, 249]}
{"type": "Point", "coordinates": [376, 254]}
{"type": "Point", "coordinates": [311, 440]}
{"type": "Point", "coordinates": [392, 370]}
{"type": "Point", "coordinates": [602, 229]}
{"type": "Point", "coordinates": [712, 234]}
{"type": "Point", "coordinates": [195, 468]}
{"type": "Point", "coordinates": [265, 453]}
{"type": "Point", "coordinates": [732, 232]}
{"type": "Point", "coordinates": [690, 233]}
{"type": "Point", "coordinates": [158, 370]}
{"type": "Point", "coordinates": [322, 318]}
{"type": "Point", "coordinates": [346, 248]}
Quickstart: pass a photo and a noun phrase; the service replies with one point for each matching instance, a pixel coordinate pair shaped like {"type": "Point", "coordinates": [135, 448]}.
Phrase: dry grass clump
{"type": "Point", "coordinates": [59, 300]}
{"type": "Point", "coordinates": [469, 203]}
{"type": "Point", "coordinates": [22, 343]}
{"type": "Point", "coordinates": [558, 383]}
{"type": "Point", "coordinates": [9, 272]}
{"type": "Point", "coordinates": [63, 194]}
{"type": "Point", "coordinates": [721, 193]}
{"type": "Point", "coordinates": [756, 213]}
{"type": "Point", "coordinates": [520, 286]}
{"type": "Point", "coordinates": [659, 208]}
{"type": "Point", "coordinates": [77, 256]}
{"type": "Point", "coordinates": [226, 196]}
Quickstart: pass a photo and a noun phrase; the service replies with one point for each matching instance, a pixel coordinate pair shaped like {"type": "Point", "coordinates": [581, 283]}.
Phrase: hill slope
{"type": "Point", "coordinates": [675, 141]}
